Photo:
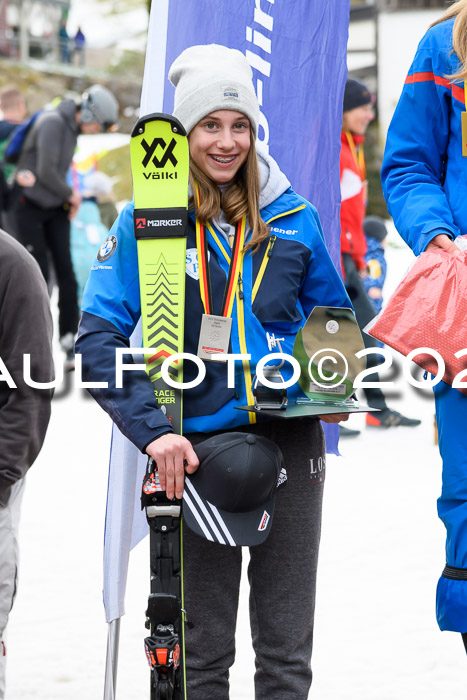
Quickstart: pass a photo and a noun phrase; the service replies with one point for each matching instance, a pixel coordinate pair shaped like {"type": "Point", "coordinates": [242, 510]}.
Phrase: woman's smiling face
{"type": "Point", "coordinates": [357, 120]}
{"type": "Point", "coordinates": [219, 144]}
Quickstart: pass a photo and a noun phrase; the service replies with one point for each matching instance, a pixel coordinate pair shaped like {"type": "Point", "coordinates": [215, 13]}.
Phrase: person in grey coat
{"type": "Point", "coordinates": [43, 211]}
{"type": "Point", "coordinates": [25, 327]}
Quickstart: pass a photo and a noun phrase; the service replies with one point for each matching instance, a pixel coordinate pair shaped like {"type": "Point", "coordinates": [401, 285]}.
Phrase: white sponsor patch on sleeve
{"type": "Point", "coordinates": [107, 249]}
{"type": "Point", "coordinates": [192, 265]}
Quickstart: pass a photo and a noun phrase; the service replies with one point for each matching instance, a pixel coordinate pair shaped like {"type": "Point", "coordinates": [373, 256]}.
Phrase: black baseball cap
{"type": "Point", "coordinates": [230, 498]}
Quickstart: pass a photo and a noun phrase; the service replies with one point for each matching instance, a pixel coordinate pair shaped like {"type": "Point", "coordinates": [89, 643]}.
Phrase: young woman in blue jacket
{"type": "Point", "coordinates": [424, 178]}
{"type": "Point", "coordinates": [285, 272]}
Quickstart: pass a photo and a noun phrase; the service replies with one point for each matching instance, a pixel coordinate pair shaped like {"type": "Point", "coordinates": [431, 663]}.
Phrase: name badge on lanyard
{"type": "Point", "coordinates": [214, 337]}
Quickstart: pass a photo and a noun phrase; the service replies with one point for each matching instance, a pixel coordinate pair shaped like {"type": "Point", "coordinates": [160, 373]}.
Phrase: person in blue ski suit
{"type": "Point", "coordinates": [375, 234]}
{"type": "Point", "coordinates": [285, 272]}
{"type": "Point", "coordinates": [424, 181]}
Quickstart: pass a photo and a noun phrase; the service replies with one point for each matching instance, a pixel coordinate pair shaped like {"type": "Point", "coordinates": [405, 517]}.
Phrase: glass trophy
{"type": "Point", "coordinates": [326, 349]}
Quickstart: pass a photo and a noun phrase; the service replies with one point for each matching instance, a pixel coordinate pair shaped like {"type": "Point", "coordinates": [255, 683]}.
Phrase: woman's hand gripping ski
{"type": "Point", "coordinates": [174, 456]}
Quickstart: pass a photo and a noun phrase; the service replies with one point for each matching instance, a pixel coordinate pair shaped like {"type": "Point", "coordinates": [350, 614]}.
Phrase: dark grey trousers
{"type": "Point", "coordinates": [282, 577]}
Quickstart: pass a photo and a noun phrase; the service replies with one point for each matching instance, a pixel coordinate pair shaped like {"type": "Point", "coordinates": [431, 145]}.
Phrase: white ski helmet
{"type": "Point", "coordinates": [99, 105]}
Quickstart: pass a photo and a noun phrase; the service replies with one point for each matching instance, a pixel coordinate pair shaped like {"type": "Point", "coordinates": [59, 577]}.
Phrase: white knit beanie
{"type": "Point", "coordinates": [211, 77]}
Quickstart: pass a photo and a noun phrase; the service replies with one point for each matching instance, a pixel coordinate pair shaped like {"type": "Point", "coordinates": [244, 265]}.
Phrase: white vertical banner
{"type": "Point", "coordinates": [152, 93]}
{"type": "Point", "coordinates": [125, 522]}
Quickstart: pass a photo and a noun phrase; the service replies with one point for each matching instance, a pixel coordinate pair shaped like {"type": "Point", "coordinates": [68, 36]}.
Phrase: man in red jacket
{"type": "Point", "coordinates": [358, 113]}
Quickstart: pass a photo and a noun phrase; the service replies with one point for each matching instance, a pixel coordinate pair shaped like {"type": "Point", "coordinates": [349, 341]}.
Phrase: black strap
{"type": "Point", "coordinates": [454, 573]}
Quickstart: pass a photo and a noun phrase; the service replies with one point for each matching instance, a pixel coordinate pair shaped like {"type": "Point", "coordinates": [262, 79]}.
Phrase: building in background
{"type": "Point", "coordinates": [29, 28]}
{"type": "Point", "coordinates": [409, 4]}
{"type": "Point", "coordinates": [383, 37]}
{"type": "Point", "coordinates": [364, 40]}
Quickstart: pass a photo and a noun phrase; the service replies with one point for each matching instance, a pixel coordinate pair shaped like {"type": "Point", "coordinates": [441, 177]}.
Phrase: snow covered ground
{"type": "Point", "coordinates": [376, 636]}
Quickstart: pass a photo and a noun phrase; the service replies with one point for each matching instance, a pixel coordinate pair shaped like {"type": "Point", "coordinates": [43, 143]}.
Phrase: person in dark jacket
{"type": "Point", "coordinates": [25, 327]}
{"type": "Point", "coordinates": [251, 216]}
{"type": "Point", "coordinates": [79, 47]}
{"type": "Point", "coordinates": [424, 182]}
{"type": "Point", "coordinates": [64, 43]}
{"type": "Point", "coordinates": [43, 211]}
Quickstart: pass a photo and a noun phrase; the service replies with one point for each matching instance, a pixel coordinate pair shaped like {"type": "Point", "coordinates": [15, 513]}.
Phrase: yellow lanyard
{"type": "Point", "coordinates": [358, 155]}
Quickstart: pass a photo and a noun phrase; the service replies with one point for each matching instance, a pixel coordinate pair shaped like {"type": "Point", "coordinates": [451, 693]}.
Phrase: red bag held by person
{"type": "Point", "coordinates": [429, 310]}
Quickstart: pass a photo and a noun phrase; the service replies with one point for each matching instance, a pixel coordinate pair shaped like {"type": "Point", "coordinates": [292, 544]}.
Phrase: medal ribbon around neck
{"type": "Point", "coordinates": [358, 155]}
{"type": "Point", "coordinates": [236, 261]}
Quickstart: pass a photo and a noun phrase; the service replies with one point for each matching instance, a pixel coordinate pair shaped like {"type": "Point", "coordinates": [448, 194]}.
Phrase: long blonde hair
{"type": "Point", "coordinates": [459, 35]}
{"type": "Point", "coordinates": [239, 199]}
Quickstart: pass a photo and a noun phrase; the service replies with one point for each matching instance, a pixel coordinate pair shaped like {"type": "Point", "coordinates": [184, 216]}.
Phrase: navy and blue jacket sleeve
{"type": "Point", "coordinates": [111, 310]}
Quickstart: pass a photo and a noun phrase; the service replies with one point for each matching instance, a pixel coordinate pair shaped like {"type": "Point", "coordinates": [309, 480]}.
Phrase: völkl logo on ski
{"type": "Point", "coordinates": [167, 155]}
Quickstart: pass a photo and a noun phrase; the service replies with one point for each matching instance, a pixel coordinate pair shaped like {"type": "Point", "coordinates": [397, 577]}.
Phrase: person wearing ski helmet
{"type": "Point", "coordinates": [42, 211]}
{"type": "Point", "coordinates": [285, 271]}
{"type": "Point", "coordinates": [424, 182]}
{"type": "Point", "coordinates": [98, 111]}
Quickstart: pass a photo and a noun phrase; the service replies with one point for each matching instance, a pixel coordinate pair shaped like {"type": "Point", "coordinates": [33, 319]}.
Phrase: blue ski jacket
{"type": "Point", "coordinates": [424, 172]}
{"type": "Point", "coordinates": [282, 282]}
{"type": "Point", "coordinates": [424, 178]}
